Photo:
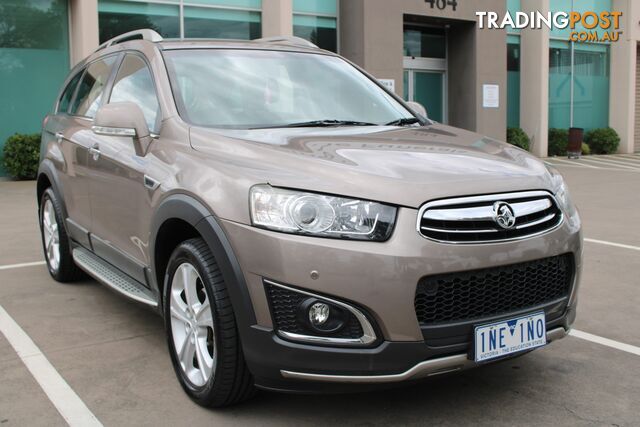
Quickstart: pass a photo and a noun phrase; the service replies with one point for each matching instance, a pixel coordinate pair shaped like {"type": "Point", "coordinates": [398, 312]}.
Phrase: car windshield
{"type": "Point", "coordinates": [247, 89]}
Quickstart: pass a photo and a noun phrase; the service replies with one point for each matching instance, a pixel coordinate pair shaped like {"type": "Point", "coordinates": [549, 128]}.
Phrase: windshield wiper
{"type": "Point", "coordinates": [323, 123]}
{"type": "Point", "coordinates": [404, 121]}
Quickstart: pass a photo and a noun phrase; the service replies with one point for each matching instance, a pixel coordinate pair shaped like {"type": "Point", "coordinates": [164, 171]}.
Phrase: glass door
{"type": "Point", "coordinates": [425, 68]}
{"type": "Point", "coordinates": [428, 89]}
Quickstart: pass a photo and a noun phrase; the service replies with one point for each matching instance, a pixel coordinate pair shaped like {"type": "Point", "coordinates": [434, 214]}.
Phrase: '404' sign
{"type": "Point", "coordinates": [443, 4]}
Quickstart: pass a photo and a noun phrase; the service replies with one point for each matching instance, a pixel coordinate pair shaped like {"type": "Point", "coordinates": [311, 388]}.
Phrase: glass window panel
{"type": "Point", "coordinates": [405, 85]}
{"type": "Point", "coordinates": [513, 6]}
{"type": "Point", "coordinates": [119, 17]}
{"type": "Point", "coordinates": [429, 91]}
{"type": "Point", "coordinates": [320, 31]}
{"type": "Point", "coordinates": [591, 86]}
{"type": "Point", "coordinates": [65, 99]}
{"type": "Point", "coordinates": [424, 42]}
{"type": "Point", "coordinates": [248, 4]}
{"type": "Point", "coordinates": [221, 23]}
{"type": "Point", "coordinates": [581, 6]}
{"type": "Point", "coordinates": [319, 7]}
{"type": "Point", "coordinates": [513, 84]}
{"type": "Point", "coordinates": [134, 83]}
{"type": "Point", "coordinates": [32, 33]}
{"type": "Point", "coordinates": [91, 87]}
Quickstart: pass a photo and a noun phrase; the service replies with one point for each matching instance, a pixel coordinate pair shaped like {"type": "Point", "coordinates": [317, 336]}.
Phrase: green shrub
{"type": "Point", "coordinates": [602, 141]}
{"type": "Point", "coordinates": [558, 141]}
{"type": "Point", "coordinates": [21, 155]}
{"type": "Point", "coordinates": [517, 137]}
{"type": "Point", "coordinates": [585, 149]}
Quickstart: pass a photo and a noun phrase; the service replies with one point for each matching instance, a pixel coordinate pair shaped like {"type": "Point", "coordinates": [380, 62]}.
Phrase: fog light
{"type": "Point", "coordinates": [319, 314]}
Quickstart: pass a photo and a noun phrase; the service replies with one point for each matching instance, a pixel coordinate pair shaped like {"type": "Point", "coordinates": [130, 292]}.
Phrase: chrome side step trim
{"type": "Point", "coordinates": [108, 275]}
{"type": "Point", "coordinates": [421, 370]}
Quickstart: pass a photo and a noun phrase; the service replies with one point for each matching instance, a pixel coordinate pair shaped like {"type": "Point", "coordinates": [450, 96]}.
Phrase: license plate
{"type": "Point", "coordinates": [510, 336]}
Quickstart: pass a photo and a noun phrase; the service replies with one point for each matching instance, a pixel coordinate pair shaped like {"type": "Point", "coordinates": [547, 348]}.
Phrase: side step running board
{"type": "Point", "coordinates": [108, 275]}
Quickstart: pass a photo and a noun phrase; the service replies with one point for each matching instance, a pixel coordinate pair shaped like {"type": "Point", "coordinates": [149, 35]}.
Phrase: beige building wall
{"type": "Point", "coordinates": [371, 34]}
{"type": "Point", "coordinates": [277, 18]}
{"type": "Point", "coordinates": [622, 86]}
{"type": "Point", "coordinates": [83, 29]}
{"type": "Point", "coordinates": [534, 81]}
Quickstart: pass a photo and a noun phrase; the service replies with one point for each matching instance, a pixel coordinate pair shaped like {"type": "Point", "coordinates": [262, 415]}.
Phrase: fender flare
{"type": "Point", "coordinates": [47, 169]}
{"type": "Point", "coordinates": [195, 213]}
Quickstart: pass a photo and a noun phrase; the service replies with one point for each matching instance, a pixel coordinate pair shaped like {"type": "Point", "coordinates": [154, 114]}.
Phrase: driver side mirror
{"type": "Point", "coordinates": [123, 119]}
{"type": "Point", "coordinates": [417, 108]}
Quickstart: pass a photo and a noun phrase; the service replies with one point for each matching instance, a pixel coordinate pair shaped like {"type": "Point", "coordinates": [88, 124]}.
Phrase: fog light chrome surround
{"type": "Point", "coordinates": [368, 333]}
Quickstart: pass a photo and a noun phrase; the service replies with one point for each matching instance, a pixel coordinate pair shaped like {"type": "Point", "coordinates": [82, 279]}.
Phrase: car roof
{"type": "Point", "coordinates": [259, 44]}
{"type": "Point", "coordinates": [148, 40]}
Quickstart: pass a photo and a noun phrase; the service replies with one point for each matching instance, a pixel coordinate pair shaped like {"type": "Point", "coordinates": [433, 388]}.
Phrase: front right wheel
{"type": "Point", "coordinates": [201, 329]}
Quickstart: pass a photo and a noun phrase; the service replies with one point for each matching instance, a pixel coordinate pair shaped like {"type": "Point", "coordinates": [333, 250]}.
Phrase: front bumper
{"type": "Point", "coordinates": [380, 278]}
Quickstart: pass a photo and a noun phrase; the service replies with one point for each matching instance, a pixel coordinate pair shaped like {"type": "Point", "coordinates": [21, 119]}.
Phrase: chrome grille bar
{"type": "Point", "coordinates": [473, 219]}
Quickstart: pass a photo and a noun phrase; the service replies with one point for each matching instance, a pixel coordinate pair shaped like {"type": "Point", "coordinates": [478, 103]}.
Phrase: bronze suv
{"type": "Point", "coordinates": [299, 227]}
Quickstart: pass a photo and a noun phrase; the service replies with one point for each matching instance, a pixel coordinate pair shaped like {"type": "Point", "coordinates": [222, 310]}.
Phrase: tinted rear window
{"type": "Point", "coordinates": [65, 99]}
{"type": "Point", "coordinates": [91, 87]}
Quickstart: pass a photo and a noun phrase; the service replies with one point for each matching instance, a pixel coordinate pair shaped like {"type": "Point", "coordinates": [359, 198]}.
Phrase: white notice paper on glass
{"type": "Point", "coordinates": [491, 96]}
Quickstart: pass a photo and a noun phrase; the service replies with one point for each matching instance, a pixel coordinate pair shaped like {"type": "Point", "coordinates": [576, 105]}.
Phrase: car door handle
{"type": "Point", "coordinates": [95, 152]}
{"type": "Point", "coordinates": [59, 137]}
{"type": "Point", "coordinates": [150, 183]}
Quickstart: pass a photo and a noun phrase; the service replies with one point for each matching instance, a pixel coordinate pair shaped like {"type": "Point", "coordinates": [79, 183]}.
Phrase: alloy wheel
{"type": "Point", "coordinates": [51, 235]}
{"type": "Point", "coordinates": [192, 327]}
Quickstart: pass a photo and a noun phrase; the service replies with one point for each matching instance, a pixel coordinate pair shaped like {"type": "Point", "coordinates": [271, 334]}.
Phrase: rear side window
{"type": "Point", "coordinates": [91, 88]}
{"type": "Point", "coordinates": [65, 99]}
{"type": "Point", "coordinates": [134, 83]}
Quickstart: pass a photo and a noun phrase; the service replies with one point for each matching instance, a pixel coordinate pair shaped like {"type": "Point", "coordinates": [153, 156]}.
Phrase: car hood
{"type": "Point", "coordinates": [400, 165]}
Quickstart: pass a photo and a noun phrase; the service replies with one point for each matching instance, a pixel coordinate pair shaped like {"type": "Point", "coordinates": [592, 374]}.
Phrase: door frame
{"type": "Point", "coordinates": [427, 65]}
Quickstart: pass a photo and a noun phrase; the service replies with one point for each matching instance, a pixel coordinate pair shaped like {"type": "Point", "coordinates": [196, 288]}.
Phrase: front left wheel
{"type": "Point", "coordinates": [201, 329]}
{"type": "Point", "coordinates": [55, 241]}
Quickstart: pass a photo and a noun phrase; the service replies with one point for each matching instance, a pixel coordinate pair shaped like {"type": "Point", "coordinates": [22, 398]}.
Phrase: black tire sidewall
{"type": "Point", "coordinates": [65, 254]}
{"type": "Point", "coordinates": [185, 253]}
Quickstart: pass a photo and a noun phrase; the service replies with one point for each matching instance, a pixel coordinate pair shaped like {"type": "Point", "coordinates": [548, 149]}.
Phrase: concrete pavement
{"type": "Point", "coordinates": [114, 356]}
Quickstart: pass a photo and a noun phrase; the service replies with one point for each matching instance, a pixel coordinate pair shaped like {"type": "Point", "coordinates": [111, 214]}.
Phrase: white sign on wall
{"type": "Point", "coordinates": [491, 96]}
{"type": "Point", "coordinates": [389, 84]}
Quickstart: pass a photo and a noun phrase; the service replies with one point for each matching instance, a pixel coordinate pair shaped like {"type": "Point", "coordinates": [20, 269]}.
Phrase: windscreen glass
{"type": "Point", "coordinates": [256, 89]}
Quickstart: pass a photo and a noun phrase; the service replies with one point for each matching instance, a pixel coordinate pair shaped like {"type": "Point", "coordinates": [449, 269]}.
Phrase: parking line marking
{"type": "Point", "coordinates": [24, 264]}
{"type": "Point", "coordinates": [605, 341]}
{"type": "Point", "coordinates": [573, 163]}
{"type": "Point", "coordinates": [610, 163]}
{"type": "Point", "coordinates": [617, 245]}
{"type": "Point", "coordinates": [69, 405]}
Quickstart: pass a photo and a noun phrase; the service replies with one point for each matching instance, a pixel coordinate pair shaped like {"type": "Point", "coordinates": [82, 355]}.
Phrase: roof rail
{"type": "Point", "coordinates": [291, 40]}
{"type": "Point", "coordinates": [144, 34]}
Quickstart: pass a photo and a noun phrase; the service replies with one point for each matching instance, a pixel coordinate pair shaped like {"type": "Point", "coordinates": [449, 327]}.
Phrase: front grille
{"type": "Point", "coordinates": [284, 310]}
{"type": "Point", "coordinates": [455, 297]}
{"type": "Point", "coordinates": [474, 219]}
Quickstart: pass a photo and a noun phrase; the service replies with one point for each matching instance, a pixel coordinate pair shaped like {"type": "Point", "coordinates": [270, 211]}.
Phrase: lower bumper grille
{"type": "Point", "coordinates": [458, 297]}
{"type": "Point", "coordinates": [284, 305]}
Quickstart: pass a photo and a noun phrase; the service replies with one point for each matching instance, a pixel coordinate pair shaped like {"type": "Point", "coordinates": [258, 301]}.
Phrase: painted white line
{"type": "Point", "coordinates": [609, 163]}
{"type": "Point", "coordinates": [69, 405]}
{"type": "Point", "coordinates": [606, 342]}
{"type": "Point", "coordinates": [617, 245]}
{"type": "Point", "coordinates": [24, 264]}
{"type": "Point", "coordinates": [626, 160]}
{"type": "Point", "coordinates": [617, 161]}
{"type": "Point", "coordinates": [571, 162]}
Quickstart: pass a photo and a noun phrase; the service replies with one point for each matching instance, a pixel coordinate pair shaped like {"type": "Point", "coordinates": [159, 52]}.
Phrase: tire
{"type": "Point", "coordinates": [56, 244]}
{"type": "Point", "coordinates": [202, 334]}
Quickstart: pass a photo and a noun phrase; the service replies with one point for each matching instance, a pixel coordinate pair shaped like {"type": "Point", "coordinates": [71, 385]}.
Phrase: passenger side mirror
{"type": "Point", "coordinates": [123, 119]}
{"type": "Point", "coordinates": [417, 108]}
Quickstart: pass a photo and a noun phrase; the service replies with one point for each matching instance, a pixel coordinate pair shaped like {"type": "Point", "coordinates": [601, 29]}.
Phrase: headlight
{"type": "Point", "coordinates": [320, 215]}
{"type": "Point", "coordinates": [561, 191]}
